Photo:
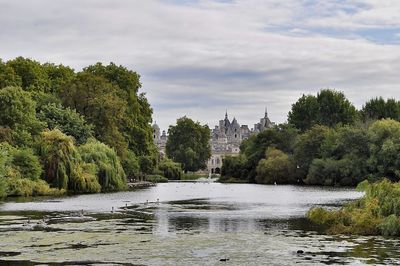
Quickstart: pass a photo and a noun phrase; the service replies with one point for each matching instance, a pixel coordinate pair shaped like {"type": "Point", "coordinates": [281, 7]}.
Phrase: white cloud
{"type": "Point", "coordinates": [202, 57]}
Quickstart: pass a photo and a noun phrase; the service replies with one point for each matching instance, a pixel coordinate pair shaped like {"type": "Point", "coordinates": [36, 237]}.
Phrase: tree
{"type": "Point", "coordinates": [110, 173]}
{"type": "Point", "coordinates": [384, 137]}
{"type": "Point", "coordinates": [67, 120]}
{"type": "Point", "coordinates": [63, 166]}
{"type": "Point", "coordinates": [329, 108]}
{"type": "Point", "coordinates": [8, 77]}
{"type": "Point", "coordinates": [170, 169]}
{"type": "Point", "coordinates": [303, 113]}
{"type": "Point", "coordinates": [17, 110]}
{"type": "Point", "coordinates": [137, 118]}
{"type": "Point", "coordinates": [98, 101]}
{"type": "Point", "coordinates": [32, 74]}
{"type": "Point", "coordinates": [277, 167]}
{"type": "Point", "coordinates": [188, 144]}
{"type": "Point", "coordinates": [334, 108]}
{"type": "Point", "coordinates": [281, 137]}
{"type": "Point", "coordinates": [378, 108]}
{"type": "Point", "coordinates": [308, 147]}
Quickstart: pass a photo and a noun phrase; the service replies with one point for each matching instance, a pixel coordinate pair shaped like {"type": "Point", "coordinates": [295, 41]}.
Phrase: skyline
{"type": "Point", "coordinates": [200, 57]}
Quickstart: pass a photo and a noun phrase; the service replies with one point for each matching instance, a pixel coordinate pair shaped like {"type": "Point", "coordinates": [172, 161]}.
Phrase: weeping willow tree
{"type": "Point", "coordinates": [2, 174]}
{"type": "Point", "coordinates": [63, 166]}
{"type": "Point", "coordinates": [110, 173]}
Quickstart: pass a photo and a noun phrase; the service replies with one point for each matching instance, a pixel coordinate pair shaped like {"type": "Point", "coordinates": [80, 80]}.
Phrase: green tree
{"type": "Point", "coordinates": [110, 173]}
{"type": "Point", "coordinates": [170, 169]}
{"type": "Point", "coordinates": [384, 136]}
{"type": "Point", "coordinates": [277, 167]}
{"type": "Point", "coordinates": [303, 114]}
{"type": "Point", "coordinates": [137, 118]}
{"type": "Point", "coordinates": [63, 166]}
{"type": "Point", "coordinates": [17, 110]}
{"type": "Point", "coordinates": [378, 108]}
{"type": "Point", "coordinates": [8, 77]}
{"type": "Point", "coordinates": [188, 144]}
{"type": "Point", "coordinates": [97, 100]}
{"type": "Point", "coordinates": [58, 76]}
{"type": "Point", "coordinates": [32, 74]}
{"type": "Point", "coordinates": [281, 137]}
{"type": "Point", "coordinates": [308, 147]}
{"type": "Point", "coordinates": [67, 120]}
{"type": "Point", "coordinates": [329, 108]}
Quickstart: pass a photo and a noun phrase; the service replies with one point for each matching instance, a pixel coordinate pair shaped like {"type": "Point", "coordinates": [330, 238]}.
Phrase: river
{"type": "Point", "coordinates": [185, 224]}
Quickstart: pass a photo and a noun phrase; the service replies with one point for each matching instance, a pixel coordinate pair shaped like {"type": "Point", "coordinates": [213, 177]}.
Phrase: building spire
{"type": "Point", "coordinates": [226, 114]}
{"type": "Point", "coordinates": [266, 112]}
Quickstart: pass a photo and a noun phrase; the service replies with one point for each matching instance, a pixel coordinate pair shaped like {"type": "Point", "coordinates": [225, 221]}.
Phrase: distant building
{"type": "Point", "coordinates": [225, 139]}
{"type": "Point", "coordinates": [159, 139]}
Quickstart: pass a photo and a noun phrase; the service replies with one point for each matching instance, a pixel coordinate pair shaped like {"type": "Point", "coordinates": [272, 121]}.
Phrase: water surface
{"type": "Point", "coordinates": [185, 224]}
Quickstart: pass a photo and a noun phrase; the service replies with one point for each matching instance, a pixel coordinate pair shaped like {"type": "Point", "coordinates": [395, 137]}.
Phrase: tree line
{"type": "Point", "coordinates": [65, 130]}
{"type": "Point", "coordinates": [326, 141]}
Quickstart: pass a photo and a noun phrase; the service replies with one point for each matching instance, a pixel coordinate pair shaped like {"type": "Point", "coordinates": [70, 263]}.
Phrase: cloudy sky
{"type": "Point", "coordinates": [201, 57]}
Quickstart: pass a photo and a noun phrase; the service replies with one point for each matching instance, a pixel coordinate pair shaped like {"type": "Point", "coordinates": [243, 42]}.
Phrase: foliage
{"type": "Point", "coordinates": [378, 108]}
{"type": "Point", "coordinates": [26, 187]}
{"type": "Point", "coordinates": [170, 169]}
{"type": "Point", "coordinates": [63, 166]}
{"type": "Point", "coordinates": [67, 120]}
{"type": "Point", "coordinates": [147, 164]}
{"type": "Point", "coordinates": [376, 213]}
{"type": "Point", "coordinates": [384, 136]}
{"type": "Point", "coordinates": [281, 137]}
{"type": "Point", "coordinates": [188, 144]}
{"type": "Point", "coordinates": [110, 173]}
{"type": "Point", "coordinates": [17, 110]}
{"type": "Point", "coordinates": [3, 184]}
{"type": "Point", "coordinates": [137, 113]}
{"type": "Point", "coordinates": [276, 168]}
{"type": "Point", "coordinates": [26, 163]}
{"type": "Point", "coordinates": [32, 74]}
{"type": "Point", "coordinates": [233, 167]}
{"type": "Point", "coordinates": [156, 178]}
{"type": "Point", "coordinates": [8, 77]}
{"type": "Point", "coordinates": [329, 108]}
{"type": "Point", "coordinates": [191, 176]}
{"type": "Point", "coordinates": [97, 100]}
{"type": "Point", "coordinates": [131, 165]}
{"type": "Point", "coordinates": [308, 147]}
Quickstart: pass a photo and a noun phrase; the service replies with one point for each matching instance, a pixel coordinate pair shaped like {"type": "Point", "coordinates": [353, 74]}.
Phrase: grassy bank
{"type": "Point", "coordinates": [376, 213]}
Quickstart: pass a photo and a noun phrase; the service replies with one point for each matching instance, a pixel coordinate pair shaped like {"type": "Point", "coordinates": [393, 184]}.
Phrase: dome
{"type": "Point", "coordinates": [155, 126]}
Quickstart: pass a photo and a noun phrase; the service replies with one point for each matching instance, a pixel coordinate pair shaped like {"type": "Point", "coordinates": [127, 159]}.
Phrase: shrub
{"type": "Point", "coordinates": [170, 169]}
{"type": "Point", "coordinates": [156, 179]}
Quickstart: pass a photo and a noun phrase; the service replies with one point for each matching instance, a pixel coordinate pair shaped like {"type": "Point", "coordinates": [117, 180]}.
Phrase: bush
{"type": "Point", "coordinates": [156, 179]}
{"type": "Point", "coordinates": [26, 163]}
{"type": "Point", "coordinates": [25, 187]}
{"type": "Point", "coordinates": [170, 169]}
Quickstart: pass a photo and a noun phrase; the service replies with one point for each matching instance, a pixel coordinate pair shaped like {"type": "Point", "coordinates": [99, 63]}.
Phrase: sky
{"type": "Point", "coordinates": [200, 58]}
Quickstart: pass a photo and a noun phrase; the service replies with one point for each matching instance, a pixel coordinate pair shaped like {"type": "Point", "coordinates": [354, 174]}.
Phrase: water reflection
{"type": "Point", "coordinates": [193, 224]}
